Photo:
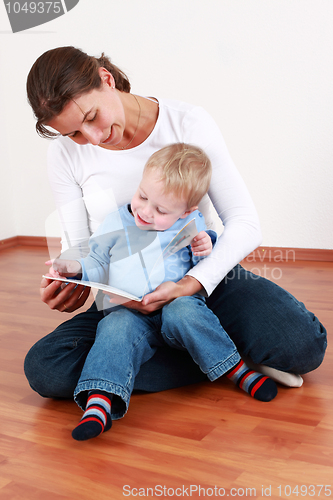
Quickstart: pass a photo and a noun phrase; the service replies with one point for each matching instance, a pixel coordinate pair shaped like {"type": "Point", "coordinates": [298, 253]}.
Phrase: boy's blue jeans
{"type": "Point", "coordinates": [126, 339]}
{"type": "Point", "coordinates": [265, 322]}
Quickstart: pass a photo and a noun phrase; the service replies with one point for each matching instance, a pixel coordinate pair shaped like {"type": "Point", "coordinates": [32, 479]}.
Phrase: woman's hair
{"type": "Point", "coordinates": [185, 171]}
{"type": "Point", "coordinates": [61, 75]}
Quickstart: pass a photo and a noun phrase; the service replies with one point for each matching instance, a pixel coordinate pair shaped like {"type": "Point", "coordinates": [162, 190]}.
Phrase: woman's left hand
{"type": "Point", "coordinates": [164, 293]}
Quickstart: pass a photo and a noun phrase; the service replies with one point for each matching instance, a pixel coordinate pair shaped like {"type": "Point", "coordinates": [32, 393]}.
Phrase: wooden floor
{"type": "Point", "coordinates": [184, 443]}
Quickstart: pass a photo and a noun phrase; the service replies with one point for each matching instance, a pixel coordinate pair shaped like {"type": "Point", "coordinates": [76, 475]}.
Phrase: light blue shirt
{"type": "Point", "coordinates": [129, 258]}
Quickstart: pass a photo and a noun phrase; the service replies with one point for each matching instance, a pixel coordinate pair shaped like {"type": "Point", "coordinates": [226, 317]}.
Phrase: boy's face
{"type": "Point", "coordinates": [153, 209]}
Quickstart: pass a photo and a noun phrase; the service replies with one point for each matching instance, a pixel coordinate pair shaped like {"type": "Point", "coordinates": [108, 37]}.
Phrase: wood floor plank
{"type": "Point", "coordinates": [208, 435]}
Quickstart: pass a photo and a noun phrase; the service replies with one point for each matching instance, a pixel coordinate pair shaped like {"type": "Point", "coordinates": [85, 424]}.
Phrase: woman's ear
{"type": "Point", "coordinates": [106, 77]}
{"type": "Point", "coordinates": [188, 212]}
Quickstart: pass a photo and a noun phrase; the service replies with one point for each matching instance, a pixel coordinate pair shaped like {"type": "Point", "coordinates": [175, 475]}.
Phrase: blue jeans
{"type": "Point", "coordinates": [126, 339]}
{"type": "Point", "coordinates": [265, 322]}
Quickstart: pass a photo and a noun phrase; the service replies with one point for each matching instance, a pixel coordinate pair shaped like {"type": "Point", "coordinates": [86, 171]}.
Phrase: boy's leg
{"type": "Point", "coordinates": [267, 324]}
{"type": "Point", "coordinates": [53, 365]}
{"type": "Point", "coordinates": [124, 340]}
{"type": "Point", "coordinates": [187, 323]}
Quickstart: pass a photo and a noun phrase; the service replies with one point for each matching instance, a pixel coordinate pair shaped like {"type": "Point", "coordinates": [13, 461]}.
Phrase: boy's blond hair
{"type": "Point", "coordinates": [185, 171]}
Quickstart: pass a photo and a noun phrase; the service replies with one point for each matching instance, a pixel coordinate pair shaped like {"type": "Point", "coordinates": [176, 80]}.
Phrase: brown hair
{"type": "Point", "coordinates": [59, 75]}
{"type": "Point", "coordinates": [185, 170]}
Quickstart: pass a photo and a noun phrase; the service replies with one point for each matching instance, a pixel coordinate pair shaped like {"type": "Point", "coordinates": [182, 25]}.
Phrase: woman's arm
{"type": "Point", "coordinates": [231, 200]}
{"type": "Point", "coordinates": [68, 197]}
{"type": "Point", "coordinates": [75, 229]}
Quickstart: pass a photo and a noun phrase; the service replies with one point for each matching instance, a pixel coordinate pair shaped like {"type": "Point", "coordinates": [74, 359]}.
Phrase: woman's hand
{"type": "Point", "coordinates": [164, 293]}
{"type": "Point", "coordinates": [201, 244]}
{"type": "Point", "coordinates": [63, 298]}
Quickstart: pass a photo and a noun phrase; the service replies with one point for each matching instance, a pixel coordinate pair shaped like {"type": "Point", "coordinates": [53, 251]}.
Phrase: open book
{"type": "Point", "coordinates": [181, 240]}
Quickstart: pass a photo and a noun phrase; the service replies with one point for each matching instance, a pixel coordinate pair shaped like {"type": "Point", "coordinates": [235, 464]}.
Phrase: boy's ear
{"type": "Point", "coordinates": [188, 212]}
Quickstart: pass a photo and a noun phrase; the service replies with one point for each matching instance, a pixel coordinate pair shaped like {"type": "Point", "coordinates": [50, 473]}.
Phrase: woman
{"type": "Point", "coordinates": [107, 134]}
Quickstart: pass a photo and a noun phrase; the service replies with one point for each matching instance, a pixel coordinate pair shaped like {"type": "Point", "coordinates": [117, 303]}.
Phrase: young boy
{"type": "Point", "coordinates": [126, 252]}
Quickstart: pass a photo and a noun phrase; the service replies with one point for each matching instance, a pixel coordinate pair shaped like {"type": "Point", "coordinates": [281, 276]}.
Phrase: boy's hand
{"type": "Point", "coordinates": [201, 244]}
{"type": "Point", "coordinates": [64, 268]}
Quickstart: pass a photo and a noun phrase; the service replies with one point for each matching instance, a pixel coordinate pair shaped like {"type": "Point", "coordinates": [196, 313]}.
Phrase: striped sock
{"type": "Point", "coordinates": [96, 418]}
{"type": "Point", "coordinates": [258, 386]}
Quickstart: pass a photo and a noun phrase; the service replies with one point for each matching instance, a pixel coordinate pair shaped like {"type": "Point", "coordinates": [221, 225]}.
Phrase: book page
{"type": "Point", "coordinates": [99, 286]}
{"type": "Point", "coordinates": [182, 239]}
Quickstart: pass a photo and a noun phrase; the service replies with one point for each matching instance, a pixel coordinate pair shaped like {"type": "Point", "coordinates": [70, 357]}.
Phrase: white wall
{"type": "Point", "coordinates": [262, 68]}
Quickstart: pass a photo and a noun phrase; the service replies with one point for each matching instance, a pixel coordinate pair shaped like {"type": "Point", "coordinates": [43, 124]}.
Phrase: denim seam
{"type": "Point", "coordinates": [103, 385]}
{"type": "Point", "coordinates": [131, 372]}
{"type": "Point", "coordinates": [220, 369]}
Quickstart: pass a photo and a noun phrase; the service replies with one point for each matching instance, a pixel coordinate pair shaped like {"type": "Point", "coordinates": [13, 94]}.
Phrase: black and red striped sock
{"type": "Point", "coordinates": [257, 385]}
{"type": "Point", "coordinates": [96, 418]}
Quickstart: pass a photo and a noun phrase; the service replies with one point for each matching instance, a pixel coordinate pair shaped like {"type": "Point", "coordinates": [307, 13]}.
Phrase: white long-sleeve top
{"type": "Point", "coordinates": [89, 182]}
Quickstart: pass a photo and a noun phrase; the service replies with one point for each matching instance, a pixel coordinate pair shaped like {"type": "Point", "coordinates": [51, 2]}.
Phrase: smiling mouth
{"type": "Point", "coordinates": [107, 139]}
{"type": "Point", "coordinates": [142, 221]}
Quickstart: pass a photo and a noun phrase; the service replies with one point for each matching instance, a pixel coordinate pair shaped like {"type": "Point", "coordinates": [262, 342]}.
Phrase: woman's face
{"type": "Point", "coordinates": [96, 118]}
